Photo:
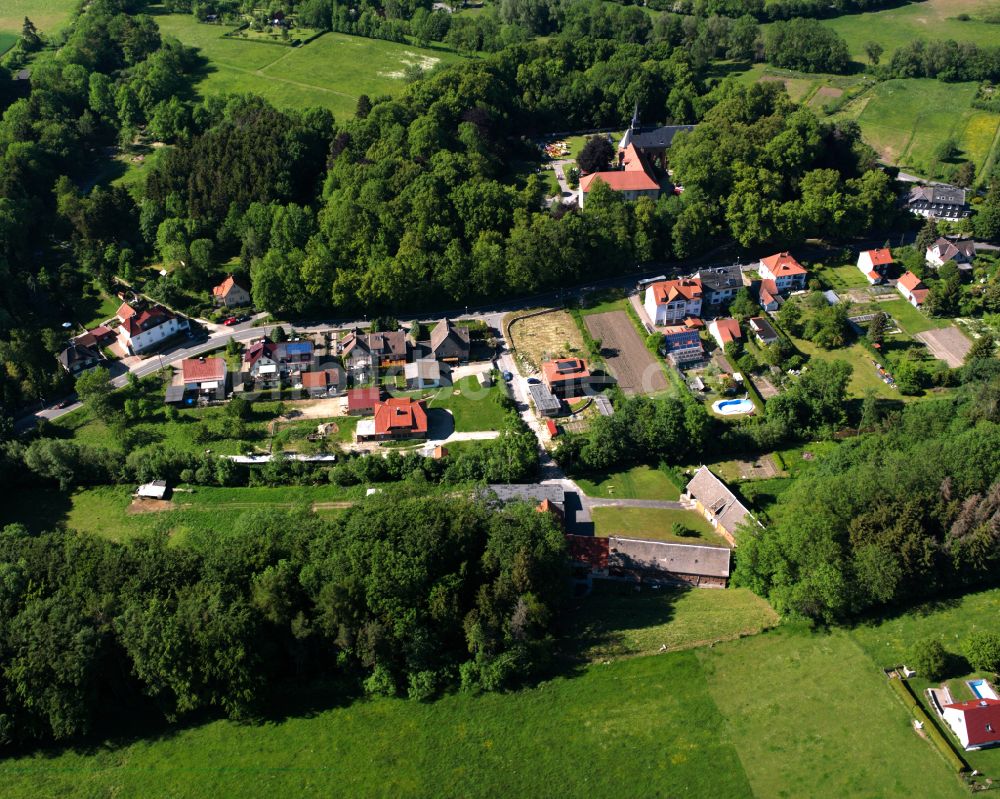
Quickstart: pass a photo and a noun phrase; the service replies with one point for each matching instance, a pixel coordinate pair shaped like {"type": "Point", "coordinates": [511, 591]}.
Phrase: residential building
{"type": "Point", "coordinates": [720, 284]}
{"type": "Point", "coordinates": [682, 345]}
{"type": "Point", "coordinates": [395, 418]}
{"type": "Point", "coordinates": [322, 382]}
{"type": "Point", "coordinates": [546, 403]}
{"type": "Point", "coordinates": [938, 202]}
{"type": "Point", "coordinates": [960, 252]}
{"type": "Point", "coordinates": [725, 331]}
{"type": "Point", "coordinates": [157, 489]}
{"type": "Point", "coordinates": [144, 329]}
{"type": "Point", "coordinates": [588, 555]}
{"type": "Point", "coordinates": [566, 377]}
{"type": "Point", "coordinates": [261, 362]}
{"type": "Point", "coordinates": [787, 273]}
{"type": "Point", "coordinates": [361, 401]}
{"type": "Point", "coordinates": [690, 564]}
{"type": "Point", "coordinates": [875, 265]}
{"type": "Point", "coordinates": [205, 377]}
{"type": "Point", "coordinates": [976, 723]}
{"type": "Point", "coordinates": [768, 296]}
{"type": "Point", "coordinates": [762, 329]}
{"type": "Point", "coordinates": [295, 357]}
{"type": "Point", "coordinates": [913, 289]}
{"type": "Point", "coordinates": [362, 352]}
{"type": "Point", "coordinates": [231, 293]}
{"type": "Point", "coordinates": [450, 342]}
{"type": "Point", "coordinates": [79, 358]}
{"type": "Point", "coordinates": [96, 337]}
{"type": "Point", "coordinates": [717, 503]}
{"type": "Point", "coordinates": [671, 301]}
{"type": "Point", "coordinates": [635, 179]}
{"type": "Point", "coordinates": [424, 373]}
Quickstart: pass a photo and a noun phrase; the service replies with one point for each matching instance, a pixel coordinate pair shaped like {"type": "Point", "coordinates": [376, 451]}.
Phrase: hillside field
{"type": "Point", "coordinates": [331, 71]}
{"type": "Point", "coordinates": [48, 16]}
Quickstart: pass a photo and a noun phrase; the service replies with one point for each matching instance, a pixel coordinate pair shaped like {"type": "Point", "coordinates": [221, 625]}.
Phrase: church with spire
{"type": "Point", "coordinates": [642, 161]}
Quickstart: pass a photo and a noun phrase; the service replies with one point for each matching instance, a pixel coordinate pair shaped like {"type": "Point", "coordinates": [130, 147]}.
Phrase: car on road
{"type": "Point", "coordinates": [243, 318]}
{"type": "Point", "coordinates": [507, 377]}
{"type": "Point", "coordinates": [64, 404]}
{"type": "Point", "coordinates": [533, 381]}
{"type": "Point", "coordinates": [232, 320]}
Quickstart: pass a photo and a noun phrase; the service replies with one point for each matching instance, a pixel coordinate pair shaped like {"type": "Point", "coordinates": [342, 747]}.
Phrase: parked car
{"type": "Point", "coordinates": [64, 404]}
{"type": "Point", "coordinates": [533, 381]}
{"type": "Point", "coordinates": [508, 376]}
{"type": "Point", "coordinates": [232, 320]}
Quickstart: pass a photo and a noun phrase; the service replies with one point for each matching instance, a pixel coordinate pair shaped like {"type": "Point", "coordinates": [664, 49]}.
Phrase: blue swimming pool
{"type": "Point", "coordinates": [733, 407]}
{"type": "Point", "coordinates": [982, 689]}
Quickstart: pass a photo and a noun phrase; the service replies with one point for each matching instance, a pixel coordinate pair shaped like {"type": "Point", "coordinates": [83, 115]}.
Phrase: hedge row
{"type": "Point", "coordinates": [902, 688]}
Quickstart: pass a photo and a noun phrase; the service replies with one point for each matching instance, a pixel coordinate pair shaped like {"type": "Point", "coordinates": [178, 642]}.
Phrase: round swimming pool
{"type": "Point", "coordinates": [733, 407]}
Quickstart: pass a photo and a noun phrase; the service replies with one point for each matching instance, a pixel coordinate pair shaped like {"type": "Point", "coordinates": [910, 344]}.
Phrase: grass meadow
{"type": "Point", "coordinates": [472, 406]}
{"type": "Point", "coordinates": [331, 71]}
{"type": "Point", "coordinates": [48, 15]}
{"type": "Point", "coordinates": [654, 524]}
{"type": "Point", "coordinates": [7, 40]}
{"type": "Point", "coordinates": [639, 482]}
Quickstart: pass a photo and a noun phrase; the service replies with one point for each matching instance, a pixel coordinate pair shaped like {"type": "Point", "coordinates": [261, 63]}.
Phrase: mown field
{"type": "Point", "coordinates": [639, 482]}
{"type": "Point", "coordinates": [48, 15]}
{"type": "Point", "coordinates": [331, 71]}
{"type": "Point", "coordinates": [906, 120]}
{"type": "Point", "coordinates": [472, 406]}
{"type": "Point", "coordinates": [928, 19]}
{"type": "Point", "coordinates": [655, 524]}
{"type": "Point", "coordinates": [789, 712]}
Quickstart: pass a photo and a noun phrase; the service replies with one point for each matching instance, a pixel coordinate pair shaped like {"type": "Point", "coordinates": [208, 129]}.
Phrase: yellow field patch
{"type": "Point", "coordinates": [543, 337]}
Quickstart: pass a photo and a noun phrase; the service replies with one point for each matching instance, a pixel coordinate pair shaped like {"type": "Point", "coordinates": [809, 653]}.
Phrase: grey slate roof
{"type": "Point", "coordinates": [721, 278]}
{"type": "Point", "coordinates": [448, 340]}
{"type": "Point", "coordinates": [528, 492]}
{"type": "Point", "coordinates": [632, 553]}
{"type": "Point", "coordinates": [656, 138]}
{"type": "Point", "coordinates": [77, 353]}
{"type": "Point", "coordinates": [713, 494]}
{"type": "Point", "coordinates": [543, 398]}
{"type": "Point", "coordinates": [763, 328]}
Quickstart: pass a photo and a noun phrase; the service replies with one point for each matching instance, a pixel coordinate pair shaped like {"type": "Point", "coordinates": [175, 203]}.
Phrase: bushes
{"type": "Point", "coordinates": [928, 659]}
{"type": "Point", "coordinates": [982, 650]}
{"type": "Point", "coordinates": [807, 45]}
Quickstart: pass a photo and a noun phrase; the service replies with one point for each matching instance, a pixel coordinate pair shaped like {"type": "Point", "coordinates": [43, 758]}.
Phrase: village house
{"type": "Point", "coordinates": [205, 377]}
{"type": "Point", "coordinates": [762, 329]}
{"type": "Point", "coordinates": [717, 503]}
{"type": "Point", "coordinates": [938, 202]}
{"type": "Point", "coordinates": [671, 301]}
{"type": "Point", "coordinates": [449, 342]}
{"type": "Point", "coordinates": [913, 289]}
{"type": "Point", "coordinates": [396, 418]}
{"type": "Point", "coordinates": [635, 179]}
{"type": "Point", "coordinates": [364, 352]}
{"type": "Point", "coordinates": [79, 358]}
{"type": "Point", "coordinates": [361, 401]}
{"type": "Point", "coordinates": [689, 564]}
{"type": "Point", "coordinates": [567, 377]}
{"type": "Point", "coordinates": [231, 293]}
{"type": "Point", "coordinates": [960, 252]}
{"type": "Point", "coordinates": [720, 284]}
{"type": "Point", "coordinates": [976, 723]}
{"type": "Point", "coordinates": [424, 373]}
{"type": "Point", "coordinates": [787, 273]}
{"type": "Point", "coordinates": [322, 382]}
{"type": "Point", "coordinates": [96, 337]}
{"type": "Point", "coordinates": [269, 363]}
{"type": "Point", "coordinates": [682, 345]}
{"type": "Point", "coordinates": [875, 265]}
{"type": "Point", "coordinates": [768, 296]}
{"type": "Point", "coordinates": [546, 403]}
{"type": "Point", "coordinates": [724, 331]}
{"type": "Point", "coordinates": [143, 329]}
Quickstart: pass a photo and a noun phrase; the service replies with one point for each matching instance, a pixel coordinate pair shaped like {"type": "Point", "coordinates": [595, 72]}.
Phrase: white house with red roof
{"type": "Point", "coordinates": [875, 264]}
{"type": "Point", "coordinates": [205, 376]}
{"type": "Point", "coordinates": [768, 295]}
{"type": "Point", "coordinates": [787, 273]}
{"type": "Point", "coordinates": [913, 289]}
{"type": "Point", "coordinates": [231, 292]}
{"type": "Point", "coordinates": [142, 330]}
{"type": "Point", "coordinates": [671, 301]}
{"type": "Point", "coordinates": [636, 178]}
{"type": "Point", "coordinates": [725, 331]}
{"type": "Point", "coordinates": [976, 723]}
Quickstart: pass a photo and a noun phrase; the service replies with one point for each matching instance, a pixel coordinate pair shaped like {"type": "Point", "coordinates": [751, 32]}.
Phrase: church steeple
{"type": "Point", "coordinates": [635, 117]}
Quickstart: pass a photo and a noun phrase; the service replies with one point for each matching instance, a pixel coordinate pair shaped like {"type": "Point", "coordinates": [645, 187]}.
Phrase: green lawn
{"type": "Point", "coordinates": [811, 715]}
{"type": "Point", "coordinates": [905, 121]}
{"type": "Point", "coordinates": [911, 320]}
{"type": "Point", "coordinates": [615, 621]}
{"type": "Point", "coordinates": [7, 40]}
{"type": "Point", "coordinates": [654, 524]}
{"type": "Point", "coordinates": [846, 276]}
{"type": "Point", "coordinates": [48, 15]}
{"type": "Point", "coordinates": [331, 71]}
{"type": "Point", "coordinates": [473, 407]}
{"type": "Point", "coordinates": [863, 377]}
{"type": "Point", "coordinates": [639, 482]}
{"type": "Point", "coordinates": [94, 307]}
{"type": "Point", "coordinates": [929, 19]}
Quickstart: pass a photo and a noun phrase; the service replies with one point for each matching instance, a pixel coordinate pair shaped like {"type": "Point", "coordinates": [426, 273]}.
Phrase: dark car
{"type": "Point", "coordinates": [507, 376]}
{"type": "Point", "coordinates": [533, 381]}
{"type": "Point", "coordinates": [64, 404]}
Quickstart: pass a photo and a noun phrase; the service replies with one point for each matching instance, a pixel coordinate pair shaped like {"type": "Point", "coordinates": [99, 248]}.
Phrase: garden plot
{"type": "Point", "coordinates": [628, 360]}
{"type": "Point", "coordinates": [949, 344]}
{"type": "Point", "coordinates": [543, 336]}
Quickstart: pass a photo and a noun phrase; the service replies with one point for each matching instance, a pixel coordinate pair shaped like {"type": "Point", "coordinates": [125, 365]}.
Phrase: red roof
{"type": "Point", "coordinates": [874, 275]}
{"type": "Point", "coordinates": [783, 263]}
{"type": "Point", "coordinates": [548, 506]}
{"type": "Point", "coordinates": [226, 286]}
{"type": "Point", "coordinates": [588, 549]}
{"type": "Point", "coordinates": [693, 321]}
{"type": "Point", "coordinates": [320, 379]}
{"type": "Point", "coordinates": [399, 415]}
{"type": "Point", "coordinates": [880, 257]}
{"type": "Point", "coordinates": [550, 425]}
{"type": "Point", "coordinates": [910, 281]}
{"type": "Point", "coordinates": [150, 318]}
{"type": "Point", "coordinates": [982, 720]}
{"type": "Point", "coordinates": [729, 330]}
{"type": "Point", "coordinates": [621, 180]}
{"type": "Point", "coordinates": [196, 370]}
{"type": "Point", "coordinates": [669, 290]}
{"type": "Point", "coordinates": [359, 399]}
{"type": "Point", "coordinates": [564, 369]}
{"type": "Point", "coordinates": [125, 311]}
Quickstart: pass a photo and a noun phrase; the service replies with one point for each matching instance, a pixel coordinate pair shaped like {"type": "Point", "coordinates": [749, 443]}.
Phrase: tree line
{"type": "Point", "coordinates": [405, 595]}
